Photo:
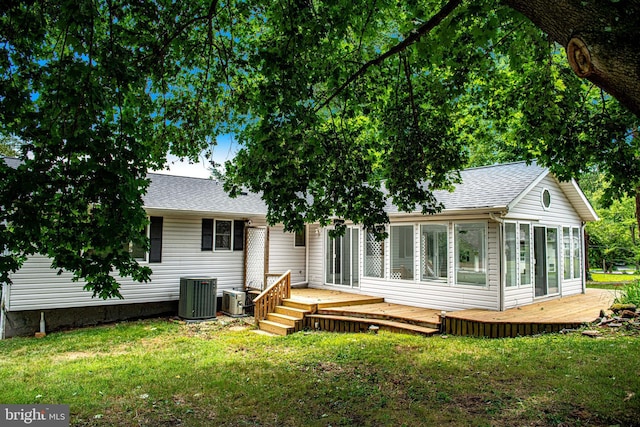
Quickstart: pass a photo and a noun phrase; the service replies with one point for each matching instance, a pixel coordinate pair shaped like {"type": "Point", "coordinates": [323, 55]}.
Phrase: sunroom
{"type": "Point", "coordinates": [509, 235]}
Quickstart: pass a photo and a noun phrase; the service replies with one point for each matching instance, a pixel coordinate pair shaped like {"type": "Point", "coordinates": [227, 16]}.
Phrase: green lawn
{"type": "Point", "coordinates": [164, 373]}
{"type": "Point", "coordinates": [610, 278]}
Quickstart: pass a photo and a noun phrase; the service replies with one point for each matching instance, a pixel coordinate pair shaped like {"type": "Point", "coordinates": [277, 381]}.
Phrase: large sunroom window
{"type": "Point", "coordinates": [525, 254]}
{"type": "Point", "coordinates": [566, 243]}
{"type": "Point", "coordinates": [511, 268]}
{"type": "Point", "coordinates": [577, 264]}
{"type": "Point", "coordinates": [434, 251]}
{"type": "Point", "coordinates": [402, 252]}
{"type": "Point", "coordinates": [470, 249]}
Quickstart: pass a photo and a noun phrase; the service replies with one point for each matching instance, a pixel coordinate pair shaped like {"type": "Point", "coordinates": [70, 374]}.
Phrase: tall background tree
{"type": "Point", "coordinates": [328, 100]}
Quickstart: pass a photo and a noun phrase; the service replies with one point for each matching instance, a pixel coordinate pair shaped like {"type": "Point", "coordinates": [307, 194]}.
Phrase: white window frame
{"type": "Point", "coordinates": [542, 193]}
{"type": "Point", "coordinates": [518, 254]}
{"type": "Point", "coordinates": [304, 244]}
{"type": "Point", "coordinates": [404, 246]}
{"type": "Point", "coordinates": [580, 258]}
{"type": "Point", "coordinates": [445, 280]}
{"type": "Point", "coordinates": [147, 232]}
{"type": "Point", "coordinates": [485, 249]}
{"type": "Point", "coordinates": [215, 235]}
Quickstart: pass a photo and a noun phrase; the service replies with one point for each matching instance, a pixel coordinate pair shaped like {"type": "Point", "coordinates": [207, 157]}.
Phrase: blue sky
{"type": "Point", "coordinates": [225, 149]}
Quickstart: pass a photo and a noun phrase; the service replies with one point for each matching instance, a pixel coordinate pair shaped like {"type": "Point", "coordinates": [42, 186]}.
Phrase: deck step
{"type": "Point", "coordinates": [347, 312]}
{"type": "Point", "coordinates": [284, 319]}
{"type": "Point", "coordinates": [308, 307]}
{"type": "Point", "coordinates": [337, 324]}
{"type": "Point", "coordinates": [363, 301]}
{"type": "Point", "coordinates": [298, 313]}
{"type": "Point", "coordinates": [276, 328]}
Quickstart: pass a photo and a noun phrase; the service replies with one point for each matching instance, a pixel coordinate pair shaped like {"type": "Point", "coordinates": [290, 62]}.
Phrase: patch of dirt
{"type": "Point", "coordinates": [207, 328]}
{"type": "Point", "coordinates": [77, 355]}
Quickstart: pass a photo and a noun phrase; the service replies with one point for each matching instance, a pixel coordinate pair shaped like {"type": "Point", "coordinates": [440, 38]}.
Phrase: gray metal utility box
{"type": "Point", "coordinates": [198, 297]}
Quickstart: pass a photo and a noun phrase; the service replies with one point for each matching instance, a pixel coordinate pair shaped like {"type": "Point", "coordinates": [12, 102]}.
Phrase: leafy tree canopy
{"type": "Point", "coordinates": [329, 99]}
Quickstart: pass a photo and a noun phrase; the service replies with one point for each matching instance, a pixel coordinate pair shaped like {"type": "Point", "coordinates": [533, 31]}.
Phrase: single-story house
{"type": "Point", "coordinates": [509, 235]}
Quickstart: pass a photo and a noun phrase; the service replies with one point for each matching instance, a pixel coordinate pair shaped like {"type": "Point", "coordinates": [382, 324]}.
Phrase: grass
{"type": "Point", "coordinates": [165, 373]}
{"type": "Point", "coordinates": [613, 278]}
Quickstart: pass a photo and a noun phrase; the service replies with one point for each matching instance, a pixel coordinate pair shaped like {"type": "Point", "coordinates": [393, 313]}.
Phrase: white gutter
{"type": "Point", "coordinates": [452, 212]}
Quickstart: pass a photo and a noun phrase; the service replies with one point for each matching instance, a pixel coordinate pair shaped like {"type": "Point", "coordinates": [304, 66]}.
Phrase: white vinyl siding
{"type": "Point", "coordinates": [559, 216]}
{"type": "Point", "coordinates": [315, 247]}
{"type": "Point", "coordinates": [560, 210]}
{"type": "Point", "coordinates": [36, 286]}
{"type": "Point", "coordinates": [283, 255]}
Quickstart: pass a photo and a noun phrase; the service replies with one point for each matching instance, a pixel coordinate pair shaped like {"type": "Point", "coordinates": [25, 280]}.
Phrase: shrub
{"type": "Point", "coordinates": [630, 294]}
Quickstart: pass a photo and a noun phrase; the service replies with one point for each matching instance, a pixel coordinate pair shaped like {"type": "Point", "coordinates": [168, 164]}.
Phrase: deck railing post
{"type": "Point", "coordinates": [272, 296]}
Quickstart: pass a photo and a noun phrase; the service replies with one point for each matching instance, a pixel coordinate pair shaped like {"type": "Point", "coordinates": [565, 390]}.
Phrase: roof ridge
{"type": "Point", "coordinates": [183, 176]}
{"type": "Point", "coordinates": [495, 165]}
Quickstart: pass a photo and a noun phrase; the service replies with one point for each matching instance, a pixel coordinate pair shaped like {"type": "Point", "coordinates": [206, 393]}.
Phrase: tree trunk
{"type": "Point", "coordinates": [602, 40]}
{"type": "Point", "coordinates": [637, 212]}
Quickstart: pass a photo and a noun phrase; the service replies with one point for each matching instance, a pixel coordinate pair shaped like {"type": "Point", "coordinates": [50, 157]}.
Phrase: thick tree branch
{"type": "Point", "coordinates": [601, 39]}
{"type": "Point", "coordinates": [408, 41]}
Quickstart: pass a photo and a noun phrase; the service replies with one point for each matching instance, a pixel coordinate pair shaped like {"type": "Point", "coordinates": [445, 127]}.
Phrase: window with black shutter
{"type": "Point", "coordinates": [155, 239]}
{"type": "Point", "coordinates": [238, 235]}
{"type": "Point", "coordinates": [207, 234]}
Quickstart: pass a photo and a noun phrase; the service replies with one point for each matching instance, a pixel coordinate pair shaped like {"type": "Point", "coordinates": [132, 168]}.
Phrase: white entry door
{"type": "Point", "coordinates": [342, 259]}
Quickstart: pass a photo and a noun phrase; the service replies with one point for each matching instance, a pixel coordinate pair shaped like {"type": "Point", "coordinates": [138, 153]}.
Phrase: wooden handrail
{"type": "Point", "coordinates": [273, 296]}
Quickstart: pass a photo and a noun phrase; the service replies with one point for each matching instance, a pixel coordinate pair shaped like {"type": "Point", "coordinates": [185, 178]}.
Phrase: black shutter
{"type": "Point", "coordinates": [155, 238]}
{"type": "Point", "coordinates": [238, 235]}
{"type": "Point", "coordinates": [207, 235]}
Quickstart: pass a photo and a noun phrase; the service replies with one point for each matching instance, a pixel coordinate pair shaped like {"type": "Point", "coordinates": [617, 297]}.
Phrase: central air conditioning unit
{"type": "Point", "coordinates": [233, 302]}
{"type": "Point", "coordinates": [197, 298]}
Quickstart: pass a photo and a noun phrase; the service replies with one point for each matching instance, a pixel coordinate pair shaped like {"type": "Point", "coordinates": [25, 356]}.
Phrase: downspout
{"type": "Point", "coordinates": [2, 310]}
{"type": "Point", "coordinates": [583, 251]}
{"type": "Point", "coordinates": [500, 221]}
{"type": "Point", "coordinates": [306, 248]}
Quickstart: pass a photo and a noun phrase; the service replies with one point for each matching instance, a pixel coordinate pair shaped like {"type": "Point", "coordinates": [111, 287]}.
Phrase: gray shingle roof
{"type": "Point", "coordinates": [488, 186]}
{"type": "Point", "coordinates": [198, 195]}
{"type": "Point", "coordinates": [12, 162]}
{"type": "Point", "coordinates": [493, 186]}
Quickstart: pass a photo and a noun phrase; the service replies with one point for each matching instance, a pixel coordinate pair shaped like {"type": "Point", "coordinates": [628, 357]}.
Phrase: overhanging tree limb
{"type": "Point", "coordinates": [601, 39]}
{"type": "Point", "coordinates": [413, 37]}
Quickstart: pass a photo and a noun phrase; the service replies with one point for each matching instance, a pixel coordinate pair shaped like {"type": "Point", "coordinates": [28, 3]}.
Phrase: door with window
{"type": "Point", "coordinates": [342, 258]}
{"type": "Point", "coordinates": [545, 247]}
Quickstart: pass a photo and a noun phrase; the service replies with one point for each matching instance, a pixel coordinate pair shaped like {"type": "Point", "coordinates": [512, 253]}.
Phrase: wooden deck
{"type": "Point", "coordinates": [327, 298]}
{"type": "Point", "coordinates": [348, 312]}
{"type": "Point", "coordinates": [547, 316]}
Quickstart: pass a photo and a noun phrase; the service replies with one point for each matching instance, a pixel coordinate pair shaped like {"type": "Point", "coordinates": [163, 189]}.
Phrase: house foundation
{"type": "Point", "coordinates": [27, 323]}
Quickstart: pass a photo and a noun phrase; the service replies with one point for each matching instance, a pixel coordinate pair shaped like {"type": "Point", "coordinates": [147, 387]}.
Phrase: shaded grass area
{"type": "Point", "coordinates": [163, 373]}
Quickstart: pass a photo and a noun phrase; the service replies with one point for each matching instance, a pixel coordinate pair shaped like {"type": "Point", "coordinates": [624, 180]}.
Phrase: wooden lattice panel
{"type": "Point", "coordinates": [256, 243]}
